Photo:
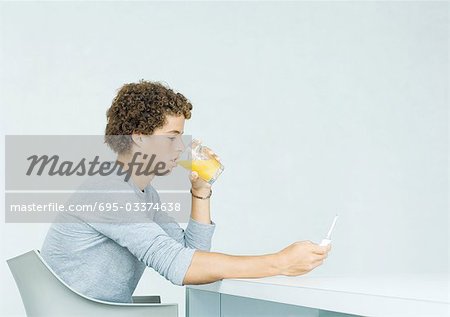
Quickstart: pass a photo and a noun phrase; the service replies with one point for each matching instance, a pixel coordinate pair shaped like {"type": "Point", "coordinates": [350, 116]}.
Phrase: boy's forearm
{"type": "Point", "coordinates": [200, 210]}
{"type": "Point", "coordinates": [208, 267]}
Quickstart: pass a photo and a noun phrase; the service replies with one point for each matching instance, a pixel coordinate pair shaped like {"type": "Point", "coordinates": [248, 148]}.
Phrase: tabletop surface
{"type": "Point", "coordinates": [329, 292]}
{"type": "Point", "coordinates": [422, 287]}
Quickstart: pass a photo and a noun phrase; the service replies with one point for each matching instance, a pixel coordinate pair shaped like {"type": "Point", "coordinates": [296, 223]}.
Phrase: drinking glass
{"type": "Point", "coordinates": [196, 158]}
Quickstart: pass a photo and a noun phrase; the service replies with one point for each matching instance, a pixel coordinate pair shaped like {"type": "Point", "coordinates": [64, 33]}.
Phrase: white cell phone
{"type": "Point", "coordinates": [327, 240]}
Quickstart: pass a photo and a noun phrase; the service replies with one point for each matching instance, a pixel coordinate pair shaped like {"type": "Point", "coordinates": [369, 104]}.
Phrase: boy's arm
{"type": "Point", "coordinates": [297, 259]}
{"type": "Point", "coordinates": [198, 233]}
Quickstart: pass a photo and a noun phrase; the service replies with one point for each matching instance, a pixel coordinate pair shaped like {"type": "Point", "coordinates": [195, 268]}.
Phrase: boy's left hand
{"type": "Point", "coordinates": [199, 186]}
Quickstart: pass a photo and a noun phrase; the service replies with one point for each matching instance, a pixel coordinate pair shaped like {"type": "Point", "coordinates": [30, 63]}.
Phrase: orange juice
{"type": "Point", "coordinates": [206, 169]}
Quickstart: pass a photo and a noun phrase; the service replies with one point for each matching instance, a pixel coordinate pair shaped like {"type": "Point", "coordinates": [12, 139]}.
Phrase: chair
{"type": "Point", "coordinates": [45, 294]}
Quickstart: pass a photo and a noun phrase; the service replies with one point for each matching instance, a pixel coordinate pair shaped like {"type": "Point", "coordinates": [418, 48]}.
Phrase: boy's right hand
{"type": "Point", "coordinates": [300, 258]}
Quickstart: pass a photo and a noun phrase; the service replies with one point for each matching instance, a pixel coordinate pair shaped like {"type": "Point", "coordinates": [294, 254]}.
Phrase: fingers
{"type": "Point", "coordinates": [317, 249]}
{"type": "Point", "coordinates": [197, 181]}
{"type": "Point", "coordinates": [317, 263]}
{"type": "Point", "coordinates": [193, 176]}
{"type": "Point", "coordinates": [320, 257]}
{"type": "Point", "coordinates": [196, 142]}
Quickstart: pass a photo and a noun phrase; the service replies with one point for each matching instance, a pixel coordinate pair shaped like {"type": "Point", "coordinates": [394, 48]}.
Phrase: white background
{"type": "Point", "coordinates": [315, 109]}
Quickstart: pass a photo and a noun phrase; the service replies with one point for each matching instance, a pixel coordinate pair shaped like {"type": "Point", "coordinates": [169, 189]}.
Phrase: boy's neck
{"type": "Point", "coordinates": [141, 181]}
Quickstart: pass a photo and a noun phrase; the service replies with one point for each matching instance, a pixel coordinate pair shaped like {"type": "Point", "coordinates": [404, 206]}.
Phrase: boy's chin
{"type": "Point", "coordinates": [170, 167]}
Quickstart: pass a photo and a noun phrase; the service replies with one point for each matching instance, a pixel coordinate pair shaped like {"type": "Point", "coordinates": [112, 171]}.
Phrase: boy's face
{"type": "Point", "coordinates": [165, 142]}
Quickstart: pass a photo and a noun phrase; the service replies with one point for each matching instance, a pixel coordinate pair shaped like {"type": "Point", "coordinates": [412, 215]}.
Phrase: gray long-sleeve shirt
{"type": "Point", "coordinates": [105, 260]}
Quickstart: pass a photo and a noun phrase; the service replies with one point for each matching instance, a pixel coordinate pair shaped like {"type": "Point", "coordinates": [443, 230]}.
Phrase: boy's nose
{"type": "Point", "coordinates": [180, 146]}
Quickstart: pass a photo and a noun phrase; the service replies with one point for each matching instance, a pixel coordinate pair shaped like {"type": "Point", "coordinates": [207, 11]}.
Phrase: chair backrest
{"type": "Point", "coordinates": [45, 294]}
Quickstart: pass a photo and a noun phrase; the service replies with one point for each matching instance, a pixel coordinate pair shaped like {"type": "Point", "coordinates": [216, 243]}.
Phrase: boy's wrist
{"type": "Point", "coordinates": [201, 192]}
{"type": "Point", "coordinates": [275, 264]}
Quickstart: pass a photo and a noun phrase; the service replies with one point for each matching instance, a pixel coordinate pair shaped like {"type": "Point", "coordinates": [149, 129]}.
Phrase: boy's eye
{"type": "Point", "coordinates": [172, 138]}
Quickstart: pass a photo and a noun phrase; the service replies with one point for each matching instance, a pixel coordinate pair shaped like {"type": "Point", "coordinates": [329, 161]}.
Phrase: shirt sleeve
{"type": "Point", "coordinates": [199, 235]}
{"type": "Point", "coordinates": [170, 226]}
{"type": "Point", "coordinates": [152, 246]}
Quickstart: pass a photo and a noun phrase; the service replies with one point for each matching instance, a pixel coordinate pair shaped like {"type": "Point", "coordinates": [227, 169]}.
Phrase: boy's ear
{"type": "Point", "coordinates": [137, 139]}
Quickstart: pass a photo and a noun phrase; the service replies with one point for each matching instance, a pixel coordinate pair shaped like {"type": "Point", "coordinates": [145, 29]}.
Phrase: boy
{"type": "Point", "coordinates": [105, 260]}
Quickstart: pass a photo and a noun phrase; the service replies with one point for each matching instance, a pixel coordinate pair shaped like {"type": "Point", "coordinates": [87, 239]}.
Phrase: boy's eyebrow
{"type": "Point", "coordinates": [175, 131]}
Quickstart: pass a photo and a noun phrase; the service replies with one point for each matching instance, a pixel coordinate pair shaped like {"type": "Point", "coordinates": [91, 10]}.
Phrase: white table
{"type": "Point", "coordinates": [382, 295]}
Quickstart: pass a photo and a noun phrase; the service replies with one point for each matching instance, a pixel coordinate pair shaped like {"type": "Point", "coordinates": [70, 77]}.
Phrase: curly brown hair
{"type": "Point", "coordinates": [141, 108]}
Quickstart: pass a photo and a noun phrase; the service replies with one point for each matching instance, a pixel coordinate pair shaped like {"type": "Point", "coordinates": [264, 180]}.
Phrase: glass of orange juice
{"type": "Point", "coordinates": [196, 158]}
